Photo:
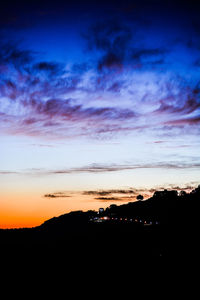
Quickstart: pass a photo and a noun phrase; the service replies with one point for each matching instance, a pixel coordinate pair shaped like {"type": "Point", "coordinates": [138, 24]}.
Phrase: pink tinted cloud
{"type": "Point", "coordinates": [184, 121]}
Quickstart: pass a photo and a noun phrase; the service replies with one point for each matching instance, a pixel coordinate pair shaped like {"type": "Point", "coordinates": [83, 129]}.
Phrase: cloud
{"type": "Point", "coordinates": [100, 168]}
{"type": "Point", "coordinates": [181, 110]}
{"type": "Point", "coordinates": [111, 38]}
{"type": "Point", "coordinates": [108, 199]}
{"type": "Point", "coordinates": [123, 195]}
{"type": "Point", "coordinates": [184, 121]}
{"type": "Point", "coordinates": [101, 97]}
{"type": "Point", "coordinates": [39, 91]}
{"type": "Point", "coordinates": [149, 56]}
{"type": "Point", "coordinates": [2, 172]}
{"type": "Point", "coordinates": [108, 192]}
{"type": "Point", "coordinates": [29, 90]}
{"type": "Point", "coordinates": [11, 53]}
{"type": "Point", "coordinates": [57, 195]}
{"type": "Point", "coordinates": [39, 117]}
{"type": "Point", "coordinates": [105, 168]}
{"type": "Point", "coordinates": [114, 42]}
{"type": "Point", "coordinates": [49, 68]}
{"type": "Point", "coordinates": [67, 111]}
{"type": "Point", "coordinates": [188, 107]}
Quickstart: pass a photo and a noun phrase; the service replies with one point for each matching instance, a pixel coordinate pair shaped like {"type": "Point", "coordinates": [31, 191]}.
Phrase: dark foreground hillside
{"type": "Point", "coordinates": [164, 226]}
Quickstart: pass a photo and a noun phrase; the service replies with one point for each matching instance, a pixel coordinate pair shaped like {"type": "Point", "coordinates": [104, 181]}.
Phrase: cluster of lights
{"type": "Point", "coordinates": [107, 218]}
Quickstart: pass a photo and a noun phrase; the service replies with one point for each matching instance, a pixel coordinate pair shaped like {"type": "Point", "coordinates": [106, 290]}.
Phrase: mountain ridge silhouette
{"type": "Point", "coordinates": [165, 225]}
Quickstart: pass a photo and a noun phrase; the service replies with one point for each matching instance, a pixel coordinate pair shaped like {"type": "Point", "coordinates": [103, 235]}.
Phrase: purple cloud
{"type": "Point", "coordinates": [102, 168]}
{"type": "Point", "coordinates": [111, 38]}
{"type": "Point", "coordinates": [188, 107]}
{"type": "Point", "coordinates": [184, 121]}
{"type": "Point", "coordinates": [102, 100]}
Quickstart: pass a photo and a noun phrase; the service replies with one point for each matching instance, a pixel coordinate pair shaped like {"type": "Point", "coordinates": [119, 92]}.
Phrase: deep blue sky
{"type": "Point", "coordinates": [97, 95]}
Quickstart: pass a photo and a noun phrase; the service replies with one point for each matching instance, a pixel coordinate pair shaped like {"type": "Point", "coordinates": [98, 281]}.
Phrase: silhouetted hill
{"type": "Point", "coordinates": [165, 207]}
{"type": "Point", "coordinates": [164, 225]}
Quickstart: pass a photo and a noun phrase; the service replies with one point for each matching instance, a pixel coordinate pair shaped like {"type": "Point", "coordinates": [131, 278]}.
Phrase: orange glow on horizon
{"type": "Point", "coordinates": [17, 212]}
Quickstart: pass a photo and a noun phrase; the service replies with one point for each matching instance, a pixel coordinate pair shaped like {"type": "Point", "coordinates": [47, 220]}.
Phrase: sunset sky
{"type": "Point", "coordinates": [99, 101]}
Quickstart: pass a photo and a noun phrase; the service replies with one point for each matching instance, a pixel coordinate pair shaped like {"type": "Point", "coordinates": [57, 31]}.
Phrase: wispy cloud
{"type": "Point", "coordinates": [57, 195]}
{"type": "Point", "coordinates": [184, 121]}
{"type": "Point", "coordinates": [108, 192]}
{"type": "Point", "coordinates": [105, 168]}
{"type": "Point", "coordinates": [111, 38]}
{"type": "Point", "coordinates": [122, 195]}
{"type": "Point", "coordinates": [4, 172]}
{"type": "Point", "coordinates": [95, 168]}
{"type": "Point", "coordinates": [103, 96]}
{"type": "Point", "coordinates": [115, 199]}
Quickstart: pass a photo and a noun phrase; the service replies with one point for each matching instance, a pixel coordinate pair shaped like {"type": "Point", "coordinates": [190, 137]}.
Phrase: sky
{"type": "Point", "coordinates": [99, 101]}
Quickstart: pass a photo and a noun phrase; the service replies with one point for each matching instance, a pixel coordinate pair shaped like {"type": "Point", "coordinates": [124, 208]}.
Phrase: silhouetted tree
{"type": "Point", "coordinates": [140, 197]}
{"type": "Point", "coordinates": [183, 193]}
{"type": "Point", "coordinates": [197, 190]}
